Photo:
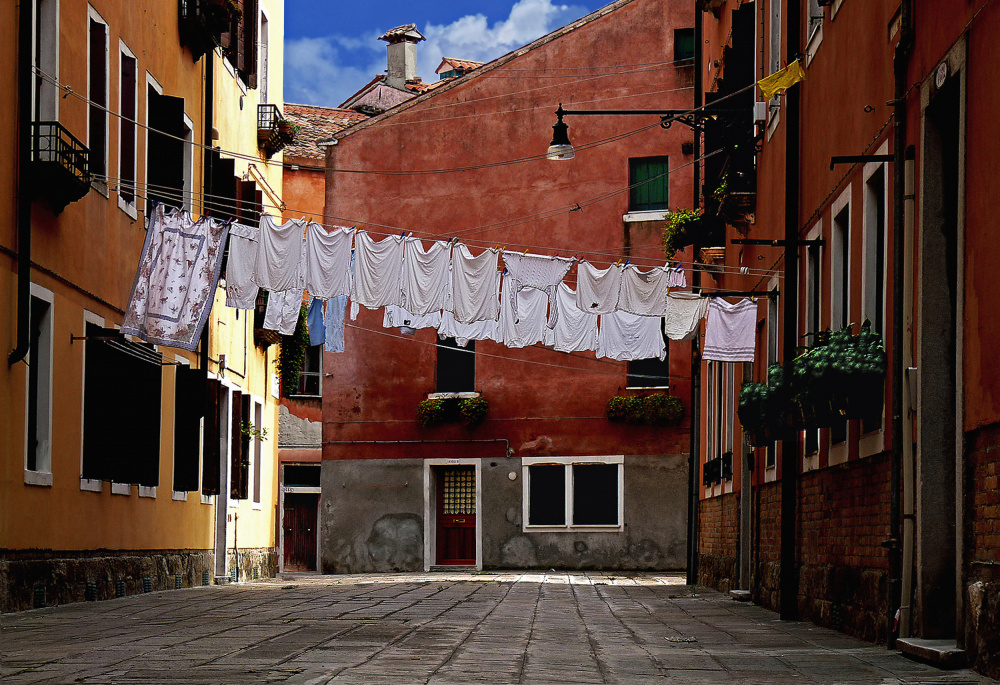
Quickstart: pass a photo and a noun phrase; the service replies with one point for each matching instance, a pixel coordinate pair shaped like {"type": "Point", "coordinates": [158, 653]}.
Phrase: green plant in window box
{"type": "Point", "coordinates": [615, 409]}
{"type": "Point", "coordinates": [661, 409]}
{"type": "Point", "coordinates": [293, 355]}
{"type": "Point", "coordinates": [432, 412]}
{"type": "Point", "coordinates": [680, 229]}
{"type": "Point", "coordinates": [473, 410]}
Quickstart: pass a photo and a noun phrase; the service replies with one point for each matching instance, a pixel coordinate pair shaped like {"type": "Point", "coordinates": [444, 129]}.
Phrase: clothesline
{"type": "Point", "coordinates": [228, 204]}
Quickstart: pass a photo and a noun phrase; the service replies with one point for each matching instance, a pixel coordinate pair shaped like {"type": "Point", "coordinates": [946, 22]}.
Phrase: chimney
{"type": "Point", "coordinates": [402, 55]}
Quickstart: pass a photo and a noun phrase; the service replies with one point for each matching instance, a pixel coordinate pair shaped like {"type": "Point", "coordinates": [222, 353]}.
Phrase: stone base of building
{"type": "Point", "coordinates": [38, 578]}
{"type": "Point", "coordinates": [247, 565]}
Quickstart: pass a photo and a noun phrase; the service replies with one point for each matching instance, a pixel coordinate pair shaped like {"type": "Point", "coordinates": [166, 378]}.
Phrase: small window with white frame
{"type": "Point", "coordinates": [38, 429]}
{"type": "Point", "coordinates": [97, 94]}
{"type": "Point", "coordinates": [128, 106]}
{"type": "Point", "coordinates": [573, 493]}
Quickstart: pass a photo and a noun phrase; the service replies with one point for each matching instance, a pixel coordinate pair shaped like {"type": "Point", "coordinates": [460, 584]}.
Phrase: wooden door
{"type": "Point", "coordinates": [456, 516]}
{"type": "Point", "coordinates": [300, 531]}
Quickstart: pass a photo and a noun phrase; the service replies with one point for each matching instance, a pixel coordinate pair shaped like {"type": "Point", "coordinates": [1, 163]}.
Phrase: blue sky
{"type": "Point", "coordinates": [332, 46]}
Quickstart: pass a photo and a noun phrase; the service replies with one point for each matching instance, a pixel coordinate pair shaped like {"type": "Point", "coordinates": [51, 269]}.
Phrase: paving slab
{"type": "Point", "coordinates": [507, 627]}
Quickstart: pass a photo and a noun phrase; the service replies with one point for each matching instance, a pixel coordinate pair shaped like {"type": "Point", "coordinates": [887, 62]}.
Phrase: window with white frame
{"type": "Point", "coordinates": [38, 433]}
{"type": "Point", "coordinates": [770, 458]}
{"type": "Point", "coordinates": [874, 250]}
{"type": "Point", "coordinates": [97, 93]}
{"type": "Point", "coordinates": [813, 277]}
{"type": "Point", "coordinates": [774, 49]}
{"type": "Point", "coordinates": [258, 452]}
{"type": "Point", "coordinates": [128, 106]}
{"type": "Point", "coordinates": [573, 493]}
{"type": "Point", "coordinates": [840, 287]}
{"type": "Point", "coordinates": [815, 19]}
{"type": "Point", "coordinates": [265, 30]}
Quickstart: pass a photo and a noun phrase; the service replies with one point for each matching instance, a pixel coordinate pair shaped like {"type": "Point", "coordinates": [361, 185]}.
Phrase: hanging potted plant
{"type": "Point", "coordinates": [680, 228]}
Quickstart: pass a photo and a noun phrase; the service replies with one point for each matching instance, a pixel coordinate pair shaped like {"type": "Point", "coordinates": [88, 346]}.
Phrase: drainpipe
{"type": "Point", "coordinates": [900, 63]}
{"type": "Point", "coordinates": [24, 82]}
{"type": "Point", "coordinates": [694, 457]}
{"type": "Point", "coordinates": [789, 447]}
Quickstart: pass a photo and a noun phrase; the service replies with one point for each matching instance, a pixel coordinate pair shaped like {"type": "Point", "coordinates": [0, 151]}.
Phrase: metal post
{"type": "Point", "coordinates": [789, 448]}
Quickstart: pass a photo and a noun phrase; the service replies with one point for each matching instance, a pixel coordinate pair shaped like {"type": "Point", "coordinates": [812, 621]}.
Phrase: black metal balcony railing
{"type": "Point", "coordinates": [273, 131]}
{"type": "Point", "coordinates": [60, 164]}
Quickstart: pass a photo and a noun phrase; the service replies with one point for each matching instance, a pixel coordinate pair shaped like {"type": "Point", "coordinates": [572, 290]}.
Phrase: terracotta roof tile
{"type": "Point", "coordinates": [317, 123]}
{"type": "Point", "coordinates": [454, 63]}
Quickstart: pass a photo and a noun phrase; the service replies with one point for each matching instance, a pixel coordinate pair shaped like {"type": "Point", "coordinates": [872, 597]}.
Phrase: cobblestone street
{"type": "Point", "coordinates": [458, 628]}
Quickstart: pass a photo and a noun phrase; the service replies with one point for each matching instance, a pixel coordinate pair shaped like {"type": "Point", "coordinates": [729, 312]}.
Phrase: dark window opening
{"type": "Point", "coordinates": [126, 146]}
{"type": "Point", "coordinates": [683, 45]}
{"type": "Point", "coordinates": [165, 154]}
{"type": "Point", "coordinates": [310, 378]}
{"type": "Point", "coordinates": [39, 366]}
{"type": "Point", "coordinates": [98, 95]}
{"type": "Point", "coordinates": [240, 42]}
{"type": "Point", "coordinates": [650, 373]}
{"type": "Point", "coordinates": [595, 494]}
{"type": "Point", "coordinates": [650, 184]}
{"type": "Point", "coordinates": [547, 495]}
{"type": "Point", "coordinates": [456, 366]}
{"type": "Point", "coordinates": [302, 475]}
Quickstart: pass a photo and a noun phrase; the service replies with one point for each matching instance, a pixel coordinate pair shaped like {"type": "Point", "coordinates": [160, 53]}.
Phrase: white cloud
{"type": "Point", "coordinates": [327, 70]}
{"type": "Point", "coordinates": [472, 37]}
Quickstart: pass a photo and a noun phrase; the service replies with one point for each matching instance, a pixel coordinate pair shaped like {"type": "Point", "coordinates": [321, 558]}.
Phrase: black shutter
{"type": "Point", "coordinates": [222, 203]}
{"type": "Point", "coordinates": [236, 447]}
{"type": "Point", "coordinates": [212, 439]}
{"type": "Point", "coordinates": [250, 19]}
{"type": "Point", "coordinates": [189, 408]}
{"type": "Point", "coordinates": [237, 45]}
{"type": "Point", "coordinates": [100, 440]}
{"type": "Point", "coordinates": [165, 152]}
{"type": "Point", "coordinates": [145, 466]}
{"type": "Point", "coordinates": [249, 209]}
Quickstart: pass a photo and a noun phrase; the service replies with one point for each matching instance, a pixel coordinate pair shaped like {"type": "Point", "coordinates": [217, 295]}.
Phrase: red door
{"type": "Point", "coordinates": [300, 531]}
{"type": "Point", "coordinates": [456, 516]}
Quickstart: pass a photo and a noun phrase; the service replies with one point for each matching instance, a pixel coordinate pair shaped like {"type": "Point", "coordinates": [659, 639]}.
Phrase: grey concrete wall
{"type": "Point", "coordinates": [372, 516]}
{"type": "Point", "coordinates": [655, 535]}
{"type": "Point", "coordinates": [369, 524]}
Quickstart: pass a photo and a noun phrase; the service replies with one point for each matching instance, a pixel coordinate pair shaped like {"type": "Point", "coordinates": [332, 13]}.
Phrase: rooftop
{"type": "Point", "coordinates": [317, 123]}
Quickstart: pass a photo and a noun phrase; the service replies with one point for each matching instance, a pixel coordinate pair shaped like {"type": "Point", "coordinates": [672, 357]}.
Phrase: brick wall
{"type": "Point", "coordinates": [765, 569]}
{"type": "Point", "coordinates": [718, 542]}
{"type": "Point", "coordinates": [982, 549]}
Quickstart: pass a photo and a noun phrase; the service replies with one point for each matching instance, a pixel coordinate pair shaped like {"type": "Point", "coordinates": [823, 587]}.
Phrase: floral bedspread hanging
{"type": "Point", "coordinates": [178, 273]}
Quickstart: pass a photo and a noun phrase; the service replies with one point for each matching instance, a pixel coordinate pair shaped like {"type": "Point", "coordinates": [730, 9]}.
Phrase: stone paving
{"type": "Point", "coordinates": [439, 628]}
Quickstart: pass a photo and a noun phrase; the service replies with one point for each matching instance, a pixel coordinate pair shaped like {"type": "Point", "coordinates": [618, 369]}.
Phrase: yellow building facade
{"type": "Point", "coordinates": [120, 105]}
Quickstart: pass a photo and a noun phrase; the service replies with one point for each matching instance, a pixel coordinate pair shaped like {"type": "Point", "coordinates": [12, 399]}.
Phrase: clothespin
{"type": "Point", "coordinates": [525, 254]}
{"type": "Point", "coordinates": [627, 261]}
{"type": "Point", "coordinates": [618, 262]}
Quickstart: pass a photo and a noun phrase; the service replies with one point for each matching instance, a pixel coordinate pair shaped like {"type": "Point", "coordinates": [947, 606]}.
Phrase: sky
{"type": "Point", "coordinates": [332, 47]}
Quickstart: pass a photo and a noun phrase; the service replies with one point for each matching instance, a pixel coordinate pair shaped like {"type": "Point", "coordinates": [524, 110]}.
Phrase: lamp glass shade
{"type": "Point", "coordinates": [561, 152]}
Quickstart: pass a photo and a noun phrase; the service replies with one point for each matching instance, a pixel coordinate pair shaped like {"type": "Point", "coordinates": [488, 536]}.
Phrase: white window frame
{"type": "Point", "coordinates": [99, 183]}
{"type": "Point", "coordinates": [188, 165]}
{"type": "Point", "coordinates": [263, 46]}
{"type": "Point", "coordinates": [86, 484]}
{"type": "Point", "coordinates": [47, 14]}
{"type": "Point", "coordinates": [569, 462]}
{"type": "Point", "coordinates": [42, 474]}
{"type": "Point", "coordinates": [130, 208]}
{"type": "Point", "coordinates": [149, 81]}
{"type": "Point", "coordinates": [774, 61]}
{"type": "Point", "coordinates": [814, 29]}
{"type": "Point", "coordinates": [176, 495]}
{"type": "Point", "coordinates": [773, 347]}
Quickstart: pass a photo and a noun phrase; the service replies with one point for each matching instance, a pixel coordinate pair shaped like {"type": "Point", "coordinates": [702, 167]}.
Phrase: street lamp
{"type": "Point", "coordinates": [561, 149]}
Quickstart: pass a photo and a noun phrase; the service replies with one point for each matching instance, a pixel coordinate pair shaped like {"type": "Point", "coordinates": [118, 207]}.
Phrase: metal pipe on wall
{"type": "Point", "coordinates": [900, 63]}
{"type": "Point", "coordinates": [789, 447]}
{"type": "Point", "coordinates": [694, 459]}
{"type": "Point", "coordinates": [24, 88]}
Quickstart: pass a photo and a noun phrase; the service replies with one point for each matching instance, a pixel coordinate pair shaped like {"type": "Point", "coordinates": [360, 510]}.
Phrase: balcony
{"type": "Point", "coordinates": [202, 23]}
{"type": "Point", "coordinates": [274, 132]}
{"type": "Point", "coordinates": [60, 169]}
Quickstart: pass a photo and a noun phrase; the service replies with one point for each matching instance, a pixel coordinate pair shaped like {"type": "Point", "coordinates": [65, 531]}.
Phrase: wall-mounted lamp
{"type": "Point", "coordinates": [562, 149]}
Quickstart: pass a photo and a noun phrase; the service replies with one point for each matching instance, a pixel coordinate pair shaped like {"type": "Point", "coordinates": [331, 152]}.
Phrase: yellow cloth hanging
{"type": "Point", "coordinates": [781, 80]}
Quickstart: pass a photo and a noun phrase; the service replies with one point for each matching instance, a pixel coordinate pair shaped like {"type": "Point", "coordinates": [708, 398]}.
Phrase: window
{"type": "Point", "coordinates": [38, 434]}
{"type": "Point", "coordinates": [573, 492]}
{"type": "Point", "coordinates": [774, 52]}
{"type": "Point", "coordinates": [301, 475]}
{"type": "Point", "coordinates": [815, 18]}
{"type": "Point", "coordinates": [719, 422]}
{"type": "Point", "coordinates": [456, 366]}
{"type": "Point", "coordinates": [813, 274]}
{"type": "Point", "coordinates": [258, 421]}
{"type": "Point", "coordinates": [770, 457]}
{"type": "Point", "coordinates": [46, 60]}
{"type": "Point", "coordinates": [841, 276]}
{"type": "Point", "coordinates": [128, 106]}
{"type": "Point", "coordinates": [97, 92]}
{"type": "Point", "coordinates": [650, 182]}
{"type": "Point", "coordinates": [240, 42]}
{"type": "Point", "coordinates": [310, 378]}
{"type": "Point", "coordinates": [874, 254]}
{"type": "Point", "coordinates": [650, 373]}
{"type": "Point", "coordinates": [265, 31]}
{"type": "Point", "coordinates": [121, 409]}
{"type": "Point", "coordinates": [189, 410]}
{"type": "Point", "coordinates": [165, 154]}
{"type": "Point", "coordinates": [683, 45]}
{"type": "Point", "coordinates": [239, 446]}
